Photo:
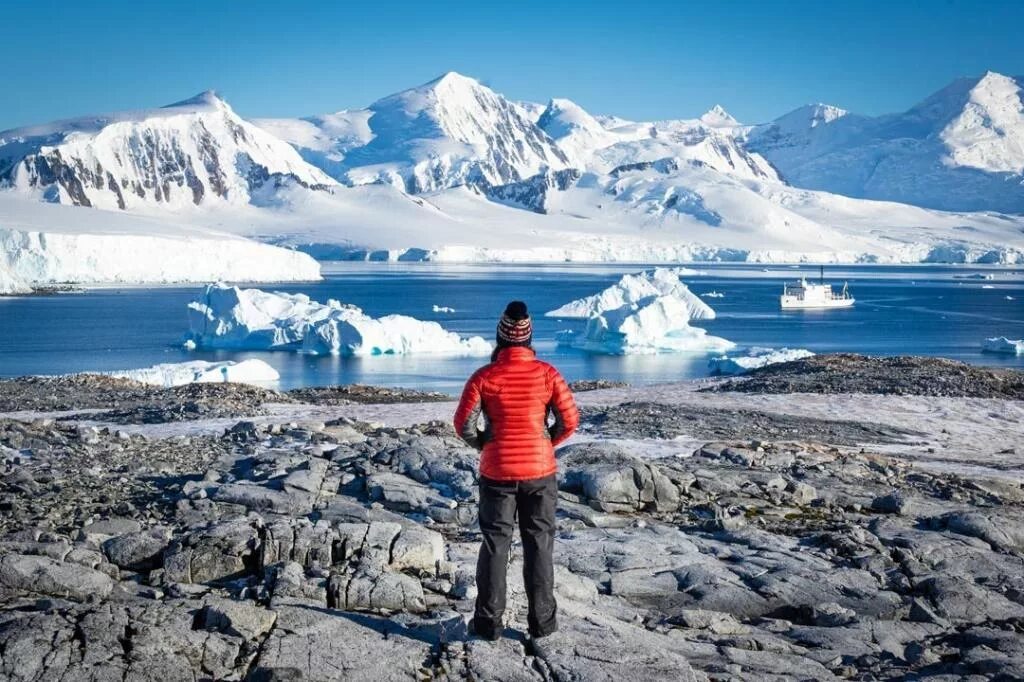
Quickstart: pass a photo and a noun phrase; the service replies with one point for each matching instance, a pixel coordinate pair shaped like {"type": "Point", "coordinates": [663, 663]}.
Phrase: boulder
{"type": "Point", "coordinates": [43, 575]}
{"type": "Point", "coordinates": [142, 551]}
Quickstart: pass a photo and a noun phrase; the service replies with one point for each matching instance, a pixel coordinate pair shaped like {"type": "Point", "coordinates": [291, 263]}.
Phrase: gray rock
{"type": "Point", "coordinates": [418, 549]}
{"type": "Point", "coordinates": [896, 502]}
{"type": "Point", "coordinates": [317, 644]}
{"type": "Point", "coordinates": [1002, 533]}
{"type": "Point", "coordinates": [261, 498]}
{"type": "Point", "coordinates": [98, 531]}
{"type": "Point", "coordinates": [802, 493]}
{"type": "Point", "coordinates": [221, 551]}
{"type": "Point", "coordinates": [43, 575]}
{"type": "Point", "coordinates": [832, 615]}
{"type": "Point", "coordinates": [243, 619]}
{"type": "Point", "coordinates": [141, 551]}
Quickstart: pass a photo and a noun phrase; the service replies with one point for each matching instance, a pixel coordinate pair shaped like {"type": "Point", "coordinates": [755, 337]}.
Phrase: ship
{"type": "Point", "coordinates": [805, 295]}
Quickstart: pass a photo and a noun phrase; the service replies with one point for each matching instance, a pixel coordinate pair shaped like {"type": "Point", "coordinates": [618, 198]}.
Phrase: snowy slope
{"type": "Point", "coordinates": [450, 131]}
{"type": "Point", "coordinates": [960, 149]}
{"type": "Point", "coordinates": [194, 152]}
{"type": "Point", "coordinates": [667, 212]}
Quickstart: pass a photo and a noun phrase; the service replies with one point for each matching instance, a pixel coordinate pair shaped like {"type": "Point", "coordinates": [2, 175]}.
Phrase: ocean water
{"type": "Point", "coordinates": [923, 310]}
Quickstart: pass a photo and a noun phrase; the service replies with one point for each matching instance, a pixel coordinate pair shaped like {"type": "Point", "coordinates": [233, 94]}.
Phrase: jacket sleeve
{"type": "Point", "coordinates": [468, 412]}
{"type": "Point", "coordinates": [563, 407]}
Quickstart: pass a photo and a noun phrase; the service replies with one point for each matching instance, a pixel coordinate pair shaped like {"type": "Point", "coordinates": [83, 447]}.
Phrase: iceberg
{"type": "Point", "coordinates": [642, 313]}
{"type": "Point", "coordinates": [228, 317]}
{"type": "Point", "coordinates": [1001, 344]}
{"type": "Point", "coordinates": [201, 372]}
{"type": "Point", "coordinates": [632, 289]}
{"type": "Point", "coordinates": [443, 309]}
{"type": "Point", "coordinates": [755, 357]}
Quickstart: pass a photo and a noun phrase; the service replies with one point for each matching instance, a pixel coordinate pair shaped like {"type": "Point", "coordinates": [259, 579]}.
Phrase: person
{"type": "Point", "coordinates": [517, 395]}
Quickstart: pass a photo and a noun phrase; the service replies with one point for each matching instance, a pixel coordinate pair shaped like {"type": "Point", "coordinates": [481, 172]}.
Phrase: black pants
{"type": "Point", "coordinates": [499, 503]}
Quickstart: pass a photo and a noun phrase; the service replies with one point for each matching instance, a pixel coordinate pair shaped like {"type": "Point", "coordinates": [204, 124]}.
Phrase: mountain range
{"type": "Point", "coordinates": [452, 170]}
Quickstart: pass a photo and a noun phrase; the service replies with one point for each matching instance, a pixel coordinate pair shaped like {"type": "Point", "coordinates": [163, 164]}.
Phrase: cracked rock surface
{"type": "Point", "coordinates": [776, 548]}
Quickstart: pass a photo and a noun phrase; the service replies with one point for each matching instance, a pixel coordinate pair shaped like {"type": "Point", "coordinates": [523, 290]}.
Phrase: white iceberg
{"type": "Point", "coordinates": [755, 357]}
{"type": "Point", "coordinates": [443, 309]}
{"type": "Point", "coordinates": [643, 313]}
{"type": "Point", "coordinates": [251, 319]}
{"type": "Point", "coordinates": [1001, 344]}
{"type": "Point", "coordinates": [169, 374]}
{"type": "Point", "coordinates": [632, 289]}
{"type": "Point", "coordinates": [713, 294]}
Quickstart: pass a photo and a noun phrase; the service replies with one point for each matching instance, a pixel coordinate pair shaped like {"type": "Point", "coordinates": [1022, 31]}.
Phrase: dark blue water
{"type": "Point", "coordinates": [900, 310]}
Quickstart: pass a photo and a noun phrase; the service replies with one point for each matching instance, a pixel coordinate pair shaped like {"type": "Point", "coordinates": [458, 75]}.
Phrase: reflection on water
{"type": "Point", "coordinates": [117, 328]}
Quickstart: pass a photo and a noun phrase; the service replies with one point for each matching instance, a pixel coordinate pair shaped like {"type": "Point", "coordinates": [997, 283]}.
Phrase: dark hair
{"type": "Point", "coordinates": [499, 348]}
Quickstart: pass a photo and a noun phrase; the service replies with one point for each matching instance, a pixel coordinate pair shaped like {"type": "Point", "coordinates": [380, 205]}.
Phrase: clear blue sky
{"type": "Point", "coordinates": [636, 59]}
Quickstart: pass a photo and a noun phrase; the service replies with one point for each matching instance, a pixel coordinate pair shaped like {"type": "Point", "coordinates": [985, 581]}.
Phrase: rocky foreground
{"type": "Point", "coordinates": [702, 536]}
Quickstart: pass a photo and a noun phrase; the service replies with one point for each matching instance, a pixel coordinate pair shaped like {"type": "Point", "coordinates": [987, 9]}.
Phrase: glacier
{"type": "Point", "coordinates": [645, 313]}
{"type": "Point", "coordinates": [227, 317]}
{"type": "Point", "coordinates": [754, 358]}
{"type": "Point", "coordinates": [48, 244]}
{"type": "Point", "coordinates": [251, 371]}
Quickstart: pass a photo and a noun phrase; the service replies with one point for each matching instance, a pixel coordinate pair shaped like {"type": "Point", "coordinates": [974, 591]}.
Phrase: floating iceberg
{"type": "Point", "coordinates": [713, 294]}
{"type": "Point", "coordinates": [251, 319]}
{"type": "Point", "coordinates": [201, 372]}
{"type": "Point", "coordinates": [443, 309]}
{"type": "Point", "coordinates": [1001, 344]}
{"type": "Point", "coordinates": [632, 289]}
{"type": "Point", "coordinates": [642, 313]}
{"type": "Point", "coordinates": [755, 357]}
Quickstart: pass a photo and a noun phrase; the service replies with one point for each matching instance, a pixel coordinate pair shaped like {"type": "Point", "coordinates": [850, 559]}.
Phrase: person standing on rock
{"type": "Point", "coordinates": [517, 395]}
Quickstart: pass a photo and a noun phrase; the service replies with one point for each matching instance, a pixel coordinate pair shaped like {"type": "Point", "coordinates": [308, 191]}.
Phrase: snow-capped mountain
{"type": "Point", "coordinates": [193, 152]}
{"type": "Point", "coordinates": [960, 149]}
{"type": "Point", "coordinates": [605, 144]}
{"type": "Point", "coordinates": [576, 132]}
{"type": "Point", "coordinates": [451, 131]}
{"type": "Point", "coordinates": [453, 171]}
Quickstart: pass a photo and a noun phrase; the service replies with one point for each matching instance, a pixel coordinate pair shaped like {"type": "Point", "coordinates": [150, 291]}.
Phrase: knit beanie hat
{"type": "Point", "coordinates": [515, 327]}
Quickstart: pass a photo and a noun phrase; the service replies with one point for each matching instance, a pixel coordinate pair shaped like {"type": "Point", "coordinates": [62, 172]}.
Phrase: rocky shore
{"type": "Point", "coordinates": [716, 535]}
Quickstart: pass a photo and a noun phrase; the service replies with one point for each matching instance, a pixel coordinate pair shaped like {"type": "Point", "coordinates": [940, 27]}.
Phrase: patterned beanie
{"type": "Point", "coordinates": [515, 327]}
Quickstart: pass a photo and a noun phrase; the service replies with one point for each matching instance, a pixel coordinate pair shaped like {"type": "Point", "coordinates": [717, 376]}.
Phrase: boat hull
{"type": "Point", "coordinates": [796, 304]}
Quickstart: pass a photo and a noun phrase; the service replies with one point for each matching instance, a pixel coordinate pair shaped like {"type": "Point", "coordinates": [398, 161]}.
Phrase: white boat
{"type": "Point", "coordinates": [803, 295]}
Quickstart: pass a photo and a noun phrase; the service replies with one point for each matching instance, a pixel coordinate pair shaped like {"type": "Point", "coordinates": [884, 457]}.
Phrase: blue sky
{"type": "Point", "coordinates": [640, 60]}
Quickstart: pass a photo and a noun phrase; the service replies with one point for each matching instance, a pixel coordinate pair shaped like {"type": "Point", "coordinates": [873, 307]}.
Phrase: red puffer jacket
{"type": "Point", "coordinates": [516, 393]}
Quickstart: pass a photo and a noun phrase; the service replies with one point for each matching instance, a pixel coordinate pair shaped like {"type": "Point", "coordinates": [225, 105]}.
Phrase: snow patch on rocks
{"type": "Point", "coordinates": [755, 358]}
{"type": "Point", "coordinates": [251, 319]}
{"type": "Point", "coordinates": [169, 374]}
